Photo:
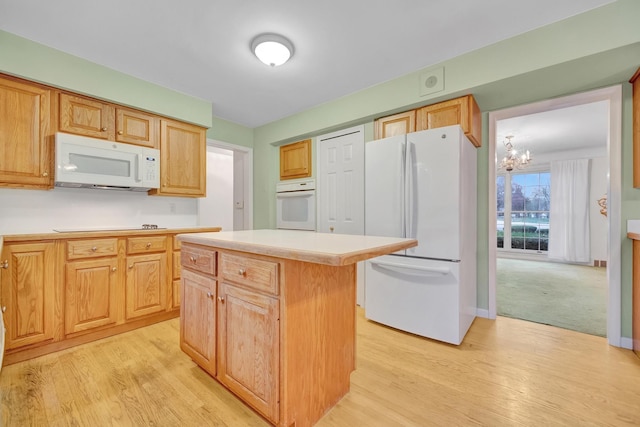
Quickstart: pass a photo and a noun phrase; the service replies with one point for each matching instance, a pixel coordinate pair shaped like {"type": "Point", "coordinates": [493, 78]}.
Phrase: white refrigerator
{"type": "Point", "coordinates": [423, 185]}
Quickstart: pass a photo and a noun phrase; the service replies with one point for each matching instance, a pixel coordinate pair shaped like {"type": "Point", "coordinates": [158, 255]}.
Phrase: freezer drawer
{"type": "Point", "coordinates": [420, 296]}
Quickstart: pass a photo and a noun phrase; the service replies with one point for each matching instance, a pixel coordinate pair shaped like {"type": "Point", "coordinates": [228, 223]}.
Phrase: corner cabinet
{"type": "Point", "coordinates": [29, 283]}
{"type": "Point", "coordinates": [183, 160]}
{"type": "Point", "coordinates": [26, 135]}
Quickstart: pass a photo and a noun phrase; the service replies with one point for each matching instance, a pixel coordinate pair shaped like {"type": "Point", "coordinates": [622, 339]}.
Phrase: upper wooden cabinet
{"type": "Point", "coordinates": [97, 119]}
{"type": "Point", "coordinates": [26, 136]}
{"type": "Point", "coordinates": [397, 124]}
{"type": "Point", "coordinates": [635, 81]}
{"type": "Point", "coordinates": [462, 111]}
{"type": "Point", "coordinates": [89, 117]}
{"type": "Point", "coordinates": [295, 160]}
{"type": "Point", "coordinates": [183, 160]}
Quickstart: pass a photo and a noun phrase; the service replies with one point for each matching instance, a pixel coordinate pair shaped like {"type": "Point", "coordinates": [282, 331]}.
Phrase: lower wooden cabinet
{"type": "Point", "coordinates": [146, 285]}
{"type": "Point", "coordinates": [91, 294]}
{"type": "Point", "coordinates": [248, 347]}
{"type": "Point", "coordinates": [28, 293]}
{"type": "Point", "coordinates": [199, 308]}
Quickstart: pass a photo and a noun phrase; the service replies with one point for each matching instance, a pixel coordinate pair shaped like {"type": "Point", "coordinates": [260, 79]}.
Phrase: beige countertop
{"type": "Point", "coordinates": [52, 235]}
{"type": "Point", "coordinates": [309, 246]}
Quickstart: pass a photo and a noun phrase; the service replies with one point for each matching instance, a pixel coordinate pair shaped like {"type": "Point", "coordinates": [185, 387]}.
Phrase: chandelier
{"type": "Point", "coordinates": [512, 160]}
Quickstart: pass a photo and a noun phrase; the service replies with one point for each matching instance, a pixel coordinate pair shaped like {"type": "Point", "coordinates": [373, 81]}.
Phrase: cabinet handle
{"type": "Point", "coordinates": [242, 272]}
{"type": "Point", "coordinates": [94, 249]}
{"type": "Point", "coordinates": [45, 174]}
{"type": "Point", "coordinates": [4, 308]}
{"type": "Point", "coordinates": [5, 264]}
{"type": "Point", "coordinates": [192, 259]}
{"type": "Point", "coordinates": [130, 265]}
{"type": "Point", "coordinates": [114, 269]}
{"type": "Point", "coordinates": [148, 245]}
{"type": "Point", "coordinates": [120, 132]}
{"type": "Point", "coordinates": [104, 129]}
{"type": "Point", "coordinates": [221, 299]}
{"type": "Point", "coordinates": [209, 295]}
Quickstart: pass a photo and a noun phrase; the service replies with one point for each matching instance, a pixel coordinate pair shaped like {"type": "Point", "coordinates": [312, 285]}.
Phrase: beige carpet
{"type": "Point", "coordinates": [567, 296]}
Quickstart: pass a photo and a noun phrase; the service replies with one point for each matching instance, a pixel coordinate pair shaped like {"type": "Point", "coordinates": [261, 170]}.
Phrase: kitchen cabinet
{"type": "Point", "coordinates": [29, 286]}
{"type": "Point", "coordinates": [295, 160]}
{"type": "Point", "coordinates": [198, 306]}
{"type": "Point", "coordinates": [98, 119]}
{"type": "Point", "coordinates": [26, 134]}
{"type": "Point", "coordinates": [248, 352]}
{"type": "Point", "coordinates": [635, 81]}
{"type": "Point", "coordinates": [183, 160]}
{"type": "Point", "coordinates": [461, 111]}
{"type": "Point", "coordinates": [86, 116]}
{"type": "Point", "coordinates": [397, 124]}
{"type": "Point", "coordinates": [146, 279]}
{"type": "Point", "coordinates": [177, 271]}
{"type": "Point", "coordinates": [91, 284]}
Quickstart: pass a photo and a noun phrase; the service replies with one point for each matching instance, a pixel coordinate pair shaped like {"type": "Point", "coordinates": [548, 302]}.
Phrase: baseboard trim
{"type": "Point", "coordinates": [626, 343]}
{"type": "Point", "coordinates": [482, 312]}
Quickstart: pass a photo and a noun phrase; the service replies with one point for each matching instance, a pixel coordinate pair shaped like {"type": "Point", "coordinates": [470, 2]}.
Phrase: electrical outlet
{"type": "Point", "coordinates": [432, 81]}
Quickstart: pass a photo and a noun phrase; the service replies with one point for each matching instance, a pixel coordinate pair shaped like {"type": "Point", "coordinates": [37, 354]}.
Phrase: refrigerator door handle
{"type": "Point", "coordinates": [408, 189]}
{"type": "Point", "coordinates": [397, 265]}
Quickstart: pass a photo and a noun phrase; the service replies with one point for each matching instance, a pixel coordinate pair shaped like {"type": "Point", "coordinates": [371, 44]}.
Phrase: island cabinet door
{"type": "Point", "coordinates": [248, 347]}
{"type": "Point", "coordinates": [198, 319]}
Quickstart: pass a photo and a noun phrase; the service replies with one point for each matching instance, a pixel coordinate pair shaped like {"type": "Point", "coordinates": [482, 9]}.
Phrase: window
{"type": "Point", "coordinates": [523, 213]}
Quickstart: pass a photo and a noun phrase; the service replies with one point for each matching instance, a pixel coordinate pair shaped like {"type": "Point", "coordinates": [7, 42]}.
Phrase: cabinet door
{"type": "Point", "coordinates": [146, 285]}
{"type": "Point", "coordinates": [183, 160]}
{"type": "Point", "coordinates": [462, 111]}
{"type": "Point", "coordinates": [198, 319]}
{"type": "Point", "coordinates": [295, 160]}
{"type": "Point", "coordinates": [397, 124]}
{"type": "Point", "coordinates": [26, 139]}
{"type": "Point", "coordinates": [91, 297]}
{"type": "Point", "coordinates": [248, 343]}
{"type": "Point", "coordinates": [28, 288]}
{"type": "Point", "coordinates": [87, 117]}
{"type": "Point", "coordinates": [135, 127]}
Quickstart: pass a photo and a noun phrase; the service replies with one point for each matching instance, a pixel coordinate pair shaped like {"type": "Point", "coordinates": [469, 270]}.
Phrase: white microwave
{"type": "Point", "coordinates": [296, 205]}
{"type": "Point", "coordinates": [84, 162]}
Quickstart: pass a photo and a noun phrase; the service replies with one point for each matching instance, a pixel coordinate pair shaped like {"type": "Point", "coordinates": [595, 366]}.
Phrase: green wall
{"type": "Point", "coordinates": [596, 49]}
{"type": "Point", "coordinates": [24, 58]}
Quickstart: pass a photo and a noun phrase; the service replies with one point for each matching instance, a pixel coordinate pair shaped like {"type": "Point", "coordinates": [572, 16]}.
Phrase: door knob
{"type": "Point", "coordinates": [331, 229]}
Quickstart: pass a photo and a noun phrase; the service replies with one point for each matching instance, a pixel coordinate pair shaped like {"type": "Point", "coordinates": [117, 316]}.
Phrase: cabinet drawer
{"type": "Point", "coordinates": [141, 245]}
{"type": "Point", "coordinates": [254, 273]}
{"type": "Point", "coordinates": [177, 243]}
{"type": "Point", "coordinates": [78, 249]}
{"type": "Point", "coordinates": [203, 260]}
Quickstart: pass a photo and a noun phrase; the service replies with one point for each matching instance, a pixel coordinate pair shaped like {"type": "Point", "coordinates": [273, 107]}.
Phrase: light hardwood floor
{"type": "Point", "coordinates": [507, 372]}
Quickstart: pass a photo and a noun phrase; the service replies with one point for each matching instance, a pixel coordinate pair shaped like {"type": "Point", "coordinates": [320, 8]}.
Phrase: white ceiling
{"type": "Point", "coordinates": [201, 47]}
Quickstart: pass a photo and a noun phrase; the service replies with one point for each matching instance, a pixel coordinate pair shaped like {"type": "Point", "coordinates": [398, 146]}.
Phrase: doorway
{"type": "Point", "coordinates": [229, 199]}
{"type": "Point", "coordinates": [613, 97]}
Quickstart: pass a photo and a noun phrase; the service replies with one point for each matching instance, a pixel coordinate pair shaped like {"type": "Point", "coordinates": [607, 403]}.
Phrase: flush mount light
{"type": "Point", "coordinates": [272, 49]}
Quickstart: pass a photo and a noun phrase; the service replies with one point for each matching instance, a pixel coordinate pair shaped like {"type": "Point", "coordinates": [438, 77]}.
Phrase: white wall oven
{"type": "Point", "coordinates": [296, 205]}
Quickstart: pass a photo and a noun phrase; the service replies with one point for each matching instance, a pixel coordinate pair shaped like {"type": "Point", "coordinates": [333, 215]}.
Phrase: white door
{"type": "Point", "coordinates": [340, 187]}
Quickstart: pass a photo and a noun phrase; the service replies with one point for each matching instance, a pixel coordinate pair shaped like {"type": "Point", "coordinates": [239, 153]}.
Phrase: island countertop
{"type": "Point", "coordinates": [308, 246]}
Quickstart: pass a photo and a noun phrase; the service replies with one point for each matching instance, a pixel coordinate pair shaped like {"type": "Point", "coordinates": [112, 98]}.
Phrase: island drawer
{"type": "Point", "coordinates": [145, 244]}
{"type": "Point", "coordinates": [91, 248]}
{"type": "Point", "coordinates": [258, 274]}
{"type": "Point", "coordinates": [203, 260]}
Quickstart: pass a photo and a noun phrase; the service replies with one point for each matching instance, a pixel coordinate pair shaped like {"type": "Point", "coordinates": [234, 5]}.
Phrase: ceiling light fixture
{"type": "Point", "coordinates": [511, 159]}
{"type": "Point", "coordinates": [272, 49]}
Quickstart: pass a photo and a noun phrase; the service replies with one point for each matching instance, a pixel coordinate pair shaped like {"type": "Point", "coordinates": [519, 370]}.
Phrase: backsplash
{"type": "Point", "coordinates": [37, 211]}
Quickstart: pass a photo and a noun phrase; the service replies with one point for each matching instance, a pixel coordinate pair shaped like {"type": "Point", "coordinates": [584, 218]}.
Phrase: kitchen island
{"type": "Point", "coordinates": [271, 315]}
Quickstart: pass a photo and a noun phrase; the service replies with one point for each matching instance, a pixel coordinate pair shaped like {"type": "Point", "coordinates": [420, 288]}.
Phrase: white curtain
{"type": "Point", "coordinates": [569, 211]}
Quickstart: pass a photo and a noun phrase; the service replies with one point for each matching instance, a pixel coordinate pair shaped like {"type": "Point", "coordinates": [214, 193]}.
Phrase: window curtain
{"type": "Point", "coordinates": [569, 211]}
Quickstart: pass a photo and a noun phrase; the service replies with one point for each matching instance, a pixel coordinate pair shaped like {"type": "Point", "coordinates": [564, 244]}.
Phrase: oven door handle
{"type": "Point", "coordinates": [305, 193]}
